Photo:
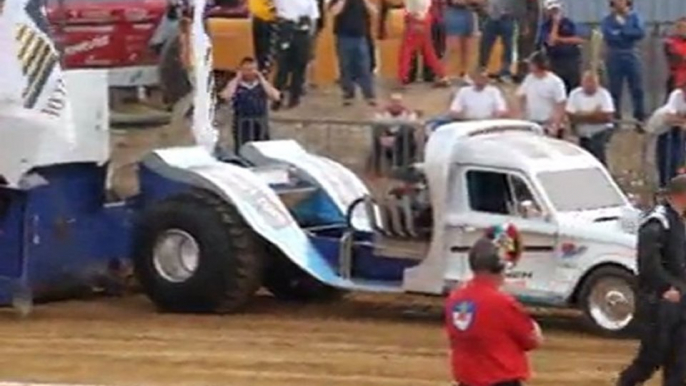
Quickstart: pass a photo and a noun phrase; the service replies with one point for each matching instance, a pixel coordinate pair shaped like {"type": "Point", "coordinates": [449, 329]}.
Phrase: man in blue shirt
{"type": "Point", "coordinates": [622, 30]}
{"type": "Point", "coordinates": [558, 37]}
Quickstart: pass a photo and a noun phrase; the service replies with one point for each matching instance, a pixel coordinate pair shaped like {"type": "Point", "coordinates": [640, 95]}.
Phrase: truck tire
{"type": "Point", "coordinates": [287, 282]}
{"type": "Point", "coordinates": [607, 299]}
{"type": "Point", "coordinates": [194, 253]}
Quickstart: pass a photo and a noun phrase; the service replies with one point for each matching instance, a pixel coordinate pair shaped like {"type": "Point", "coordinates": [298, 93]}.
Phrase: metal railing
{"type": "Point", "coordinates": [379, 152]}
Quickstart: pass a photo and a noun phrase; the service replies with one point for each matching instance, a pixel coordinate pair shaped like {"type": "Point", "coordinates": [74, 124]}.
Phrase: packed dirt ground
{"type": "Point", "coordinates": [364, 340]}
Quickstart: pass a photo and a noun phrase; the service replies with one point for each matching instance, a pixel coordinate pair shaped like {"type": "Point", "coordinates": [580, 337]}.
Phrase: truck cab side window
{"type": "Point", "coordinates": [488, 192]}
{"type": "Point", "coordinates": [500, 193]}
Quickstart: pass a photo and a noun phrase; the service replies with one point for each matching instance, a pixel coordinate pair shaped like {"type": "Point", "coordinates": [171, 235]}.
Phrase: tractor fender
{"type": "Point", "coordinates": [259, 205]}
{"type": "Point", "coordinates": [337, 181]}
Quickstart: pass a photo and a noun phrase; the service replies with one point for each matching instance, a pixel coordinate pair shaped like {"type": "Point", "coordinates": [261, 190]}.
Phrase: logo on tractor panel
{"type": "Point", "coordinates": [253, 195]}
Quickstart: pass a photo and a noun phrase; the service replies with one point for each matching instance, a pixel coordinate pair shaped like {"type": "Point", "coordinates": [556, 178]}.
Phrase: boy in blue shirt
{"type": "Point", "coordinates": [622, 30]}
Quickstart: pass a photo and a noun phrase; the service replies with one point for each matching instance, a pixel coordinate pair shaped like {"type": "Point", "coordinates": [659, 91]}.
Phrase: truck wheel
{"type": "Point", "coordinates": [194, 253]}
{"type": "Point", "coordinates": [607, 299]}
{"type": "Point", "coordinates": [286, 281]}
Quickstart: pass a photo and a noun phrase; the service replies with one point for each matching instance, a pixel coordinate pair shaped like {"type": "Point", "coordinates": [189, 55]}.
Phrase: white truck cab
{"type": "Point", "coordinates": [578, 227]}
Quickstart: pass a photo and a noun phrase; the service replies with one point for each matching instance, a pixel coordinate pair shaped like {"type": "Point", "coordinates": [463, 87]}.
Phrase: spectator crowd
{"type": "Point", "coordinates": [552, 87]}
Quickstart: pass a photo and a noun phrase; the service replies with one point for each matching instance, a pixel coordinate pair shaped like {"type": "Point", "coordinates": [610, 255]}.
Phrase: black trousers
{"type": "Point", "coordinates": [663, 344]}
{"type": "Point", "coordinates": [293, 54]}
{"type": "Point", "coordinates": [569, 70]}
{"type": "Point", "coordinates": [263, 39]}
{"type": "Point", "coordinates": [249, 129]}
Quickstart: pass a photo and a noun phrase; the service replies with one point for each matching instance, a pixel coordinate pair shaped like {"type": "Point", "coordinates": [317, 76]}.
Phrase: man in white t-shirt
{"type": "Point", "coordinates": [590, 109]}
{"type": "Point", "coordinates": [542, 96]}
{"type": "Point", "coordinates": [478, 101]}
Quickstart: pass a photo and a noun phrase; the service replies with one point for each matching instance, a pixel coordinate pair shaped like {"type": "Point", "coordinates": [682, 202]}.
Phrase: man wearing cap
{"type": "Point", "coordinates": [661, 286]}
{"type": "Point", "coordinates": [490, 333]}
{"type": "Point", "coordinates": [558, 38]}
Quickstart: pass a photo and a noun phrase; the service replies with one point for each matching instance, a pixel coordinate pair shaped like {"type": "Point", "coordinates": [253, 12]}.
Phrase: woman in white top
{"type": "Point", "coordinates": [542, 96]}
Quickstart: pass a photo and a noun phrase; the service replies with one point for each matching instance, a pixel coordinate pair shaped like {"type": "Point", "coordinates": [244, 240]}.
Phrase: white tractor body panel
{"type": "Point", "coordinates": [259, 205]}
{"type": "Point", "coordinates": [47, 116]}
{"type": "Point", "coordinates": [342, 185]}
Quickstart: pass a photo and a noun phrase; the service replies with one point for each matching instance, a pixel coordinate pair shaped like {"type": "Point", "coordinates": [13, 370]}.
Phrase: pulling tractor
{"type": "Point", "coordinates": [306, 227]}
{"type": "Point", "coordinates": [204, 234]}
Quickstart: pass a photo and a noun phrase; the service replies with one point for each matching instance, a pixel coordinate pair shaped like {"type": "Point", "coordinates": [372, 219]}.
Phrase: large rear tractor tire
{"type": "Point", "coordinates": [608, 301]}
{"type": "Point", "coordinates": [288, 282]}
{"type": "Point", "coordinates": [194, 253]}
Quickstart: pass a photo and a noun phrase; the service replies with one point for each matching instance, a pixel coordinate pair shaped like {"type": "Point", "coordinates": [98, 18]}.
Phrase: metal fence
{"type": "Point", "coordinates": [379, 148]}
{"type": "Point", "coordinates": [382, 153]}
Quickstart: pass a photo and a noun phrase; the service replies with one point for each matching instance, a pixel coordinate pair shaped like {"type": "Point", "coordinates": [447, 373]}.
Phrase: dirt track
{"type": "Point", "coordinates": [362, 341]}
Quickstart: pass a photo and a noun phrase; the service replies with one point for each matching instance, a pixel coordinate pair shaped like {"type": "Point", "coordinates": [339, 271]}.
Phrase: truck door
{"type": "Point", "coordinates": [495, 197]}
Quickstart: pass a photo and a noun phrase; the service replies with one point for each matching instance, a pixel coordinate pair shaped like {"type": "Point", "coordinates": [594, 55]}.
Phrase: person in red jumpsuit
{"type": "Point", "coordinates": [417, 39]}
{"type": "Point", "coordinates": [490, 333]}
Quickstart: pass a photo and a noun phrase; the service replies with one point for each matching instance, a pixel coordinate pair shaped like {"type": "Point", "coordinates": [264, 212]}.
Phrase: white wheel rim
{"type": "Point", "coordinates": [612, 303]}
{"type": "Point", "coordinates": [176, 255]}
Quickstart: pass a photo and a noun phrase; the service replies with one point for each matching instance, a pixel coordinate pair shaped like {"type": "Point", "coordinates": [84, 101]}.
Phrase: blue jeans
{"type": "Point", "coordinates": [670, 154]}
{"type": "Point", "coordinates": [597, 144]}
{"type": "Point", "coordinates": [503, 28]}
{"type": "Point", "coordinates": [625, 65]}
{"type": "Point", "coordinates": [354, 66]}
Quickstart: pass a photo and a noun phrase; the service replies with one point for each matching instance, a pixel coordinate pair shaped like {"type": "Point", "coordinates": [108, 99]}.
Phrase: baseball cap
{"type": "Point", "coordinates": [676, 185]}
{"type": "Point", "coordinates": [552, 4]}
{"type": "Point", "coordinates": [484, 256]}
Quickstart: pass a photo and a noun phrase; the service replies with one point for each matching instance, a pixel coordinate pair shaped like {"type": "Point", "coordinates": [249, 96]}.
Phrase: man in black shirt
{"type": "Point", "coordinates": [351, 27]}
{"type": "Point", "coordinates": [661, 291]}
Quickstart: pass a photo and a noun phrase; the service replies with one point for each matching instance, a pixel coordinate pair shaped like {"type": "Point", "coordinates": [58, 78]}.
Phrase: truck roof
{"type": "Point", "coordinates": [512, 144]}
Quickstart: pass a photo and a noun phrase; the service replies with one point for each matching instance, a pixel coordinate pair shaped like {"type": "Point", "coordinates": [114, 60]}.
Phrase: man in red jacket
{"type": "Point", "coordinates": [490, 333]}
